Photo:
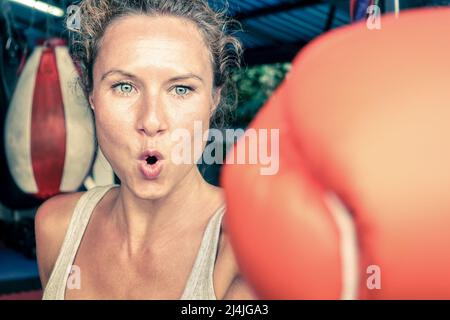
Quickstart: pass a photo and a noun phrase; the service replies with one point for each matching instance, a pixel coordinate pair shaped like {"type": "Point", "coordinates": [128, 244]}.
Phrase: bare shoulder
{"type": "Point", "coordinates": [51, 223]}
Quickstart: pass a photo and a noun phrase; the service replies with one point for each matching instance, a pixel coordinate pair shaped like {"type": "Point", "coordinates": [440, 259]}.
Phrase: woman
{"type": "Point", "coordinates": [149, 68]}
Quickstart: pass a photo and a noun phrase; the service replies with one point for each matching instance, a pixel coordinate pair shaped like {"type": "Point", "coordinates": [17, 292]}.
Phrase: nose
{"type": "Point", "coordinates": [152, 118]}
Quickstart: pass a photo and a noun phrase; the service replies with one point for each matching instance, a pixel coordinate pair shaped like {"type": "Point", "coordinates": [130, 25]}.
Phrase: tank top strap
{"type": "Point", "coordinates": [200, 284]}
{"type": "Point", "coordinates": [56, 285]}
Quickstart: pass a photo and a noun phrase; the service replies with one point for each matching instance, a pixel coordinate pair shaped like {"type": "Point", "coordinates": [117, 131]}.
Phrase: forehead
{"type": "Point", "coordinates": [159, 42]}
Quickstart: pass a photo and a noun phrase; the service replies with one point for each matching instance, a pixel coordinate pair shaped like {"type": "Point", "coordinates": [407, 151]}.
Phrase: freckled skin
{"type": "Point", "coordinates": [143, 111]}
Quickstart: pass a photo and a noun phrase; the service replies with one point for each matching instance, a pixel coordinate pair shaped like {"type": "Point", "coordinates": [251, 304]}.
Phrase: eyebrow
{"type": "Point", "coordinates": [186, 76]}
{"type": "Point", "coordinates": [113, 71]}
{"type": "Point", "coordinates": [129, 75]}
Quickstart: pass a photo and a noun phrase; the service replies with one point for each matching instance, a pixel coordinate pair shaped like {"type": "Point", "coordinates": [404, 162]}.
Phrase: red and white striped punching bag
{"type": "Point", "coordinates": [49, 134]}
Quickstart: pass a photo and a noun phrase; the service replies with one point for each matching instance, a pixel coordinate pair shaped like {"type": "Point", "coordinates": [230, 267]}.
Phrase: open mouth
{"type": "Point", "coordinates": [151, 164]}
{"type": "Point", "coordinates": [151, 160]}
{"type": "Point", "coordinates": [151, 156]}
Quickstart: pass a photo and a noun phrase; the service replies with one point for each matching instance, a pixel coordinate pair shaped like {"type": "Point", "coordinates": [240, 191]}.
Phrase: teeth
{"type": "Point", "coordinates": [152, 160]}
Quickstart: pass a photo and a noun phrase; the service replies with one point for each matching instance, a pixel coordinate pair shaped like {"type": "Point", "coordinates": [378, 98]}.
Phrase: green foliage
{"type": "Point", "coordinates": [255, 85]}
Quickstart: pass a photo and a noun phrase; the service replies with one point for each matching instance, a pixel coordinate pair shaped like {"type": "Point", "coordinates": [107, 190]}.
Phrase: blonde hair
{"type": "Point", "coordinates": [217, 30]}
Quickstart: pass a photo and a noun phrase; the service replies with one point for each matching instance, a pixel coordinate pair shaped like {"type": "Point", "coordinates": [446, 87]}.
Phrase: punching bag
{"type": "Point", "coordinates": [11, 195]}
{"type": "Point", "coordinates": [360, 206]}
{"type": "Point", "coordinates": [49, 134]}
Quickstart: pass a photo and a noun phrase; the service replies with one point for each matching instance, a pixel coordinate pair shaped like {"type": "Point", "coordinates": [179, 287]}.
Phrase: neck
{"type": "Point", "coordinates": [158, 223]}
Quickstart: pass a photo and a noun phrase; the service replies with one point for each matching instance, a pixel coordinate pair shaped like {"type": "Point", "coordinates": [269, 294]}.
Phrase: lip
{"type": "Point", "coordinates": [151, 171]}
{"type": "Point", "coordinates": [151, 153]}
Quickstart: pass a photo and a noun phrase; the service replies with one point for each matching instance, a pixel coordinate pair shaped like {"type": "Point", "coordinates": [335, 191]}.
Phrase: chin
{"type": "Point", "coordinates": [150, 190]}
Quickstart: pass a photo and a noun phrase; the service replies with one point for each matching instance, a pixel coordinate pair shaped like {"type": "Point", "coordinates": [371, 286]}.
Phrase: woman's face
{"type": "Point", "coordinates": [152, 75]}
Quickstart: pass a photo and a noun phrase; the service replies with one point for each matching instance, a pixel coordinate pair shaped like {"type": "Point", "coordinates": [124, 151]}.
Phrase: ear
{"type": "Point", "coordinates": [91, 101]}
{"type": "Point", "coordinates": [216, 99]}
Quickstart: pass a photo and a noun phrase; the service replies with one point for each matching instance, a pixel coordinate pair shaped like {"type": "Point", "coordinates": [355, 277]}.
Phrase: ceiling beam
{"type": "Point", "coordinates": [282, 7]}
{"type": "Point", "coordinates": [330, 18]}
{"type": "Point", "coordinates": [272, 54]}
{"type": "Point", "coordinates": [260, 34]}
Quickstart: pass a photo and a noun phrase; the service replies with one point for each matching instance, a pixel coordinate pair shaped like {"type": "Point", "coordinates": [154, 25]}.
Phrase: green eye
{"type": "Point", "coordinates": [126, 88]}
{"type": "Point", "coordinates": [123, 88]}
{"type": "Point", "coordinates": [181, 90]}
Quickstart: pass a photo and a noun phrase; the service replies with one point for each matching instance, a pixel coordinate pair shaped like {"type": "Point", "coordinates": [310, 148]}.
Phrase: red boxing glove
{"type": "Point", "coordinates": [360, 206]}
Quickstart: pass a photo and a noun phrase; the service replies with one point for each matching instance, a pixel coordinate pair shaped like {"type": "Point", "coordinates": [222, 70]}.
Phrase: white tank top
{"type": "Point", "coordinates": [200, 282]}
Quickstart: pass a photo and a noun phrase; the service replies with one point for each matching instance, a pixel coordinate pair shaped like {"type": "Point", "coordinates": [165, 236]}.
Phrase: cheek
{"type": "Point", "coordinates": [113, 139]}
{"type": "Point", "coordinates": [193, 119]}
{"type": "Point", "coordinates": [112, 127]}
{"type": "Point", "coordinates": [109, 111]}
{"type": "Point", "coordinates": [189, 125]}
{"type": "Point", "coordinates": [185, 113]}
